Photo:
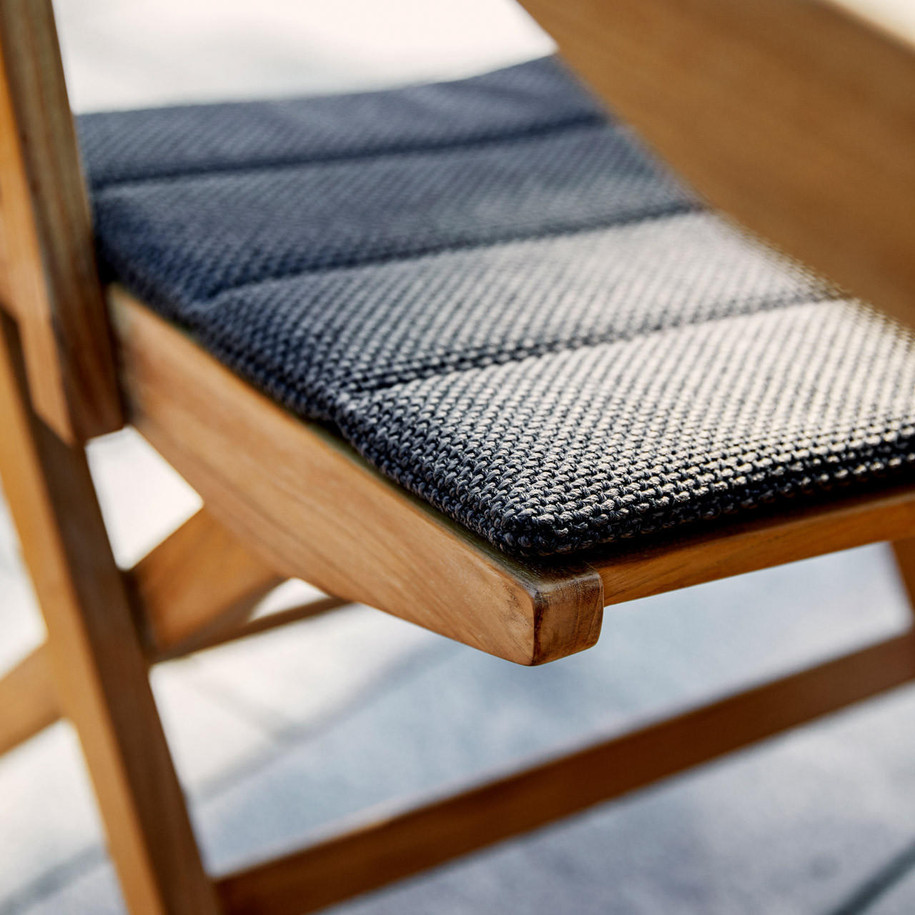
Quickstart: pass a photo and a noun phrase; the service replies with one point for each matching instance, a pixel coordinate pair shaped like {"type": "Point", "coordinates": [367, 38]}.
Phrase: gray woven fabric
{"type": "Point", "coordinates": [668, 428]}
{"type": "Point", "coordinates": [504, 304]}
{"type": "Point", "coordinates": [187, 239]}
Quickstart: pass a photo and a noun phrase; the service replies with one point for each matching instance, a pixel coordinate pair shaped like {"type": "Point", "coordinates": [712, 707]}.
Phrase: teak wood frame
{"type": "Point", "coordinates": [285, 498]}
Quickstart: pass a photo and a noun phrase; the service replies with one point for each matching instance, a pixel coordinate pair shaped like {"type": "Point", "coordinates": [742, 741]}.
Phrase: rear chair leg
{"type": "Point", "coordinates": [95, 656]}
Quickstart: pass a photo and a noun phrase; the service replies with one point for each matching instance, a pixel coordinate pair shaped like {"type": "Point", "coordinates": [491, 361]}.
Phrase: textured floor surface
{"type": "Point", "coordinates": [282, 735]}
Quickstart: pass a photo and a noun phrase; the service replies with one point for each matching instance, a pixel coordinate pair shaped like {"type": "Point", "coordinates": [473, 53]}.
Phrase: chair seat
{"type": "Point", "coordinates": [504, 304]}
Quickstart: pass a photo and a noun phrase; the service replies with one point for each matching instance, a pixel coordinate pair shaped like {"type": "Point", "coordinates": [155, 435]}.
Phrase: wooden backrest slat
{"type": "Point", "coordinates": [50, 283]}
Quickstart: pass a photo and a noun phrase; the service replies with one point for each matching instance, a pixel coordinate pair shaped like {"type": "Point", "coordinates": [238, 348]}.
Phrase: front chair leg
{"type": "Point", "coordinates": [100, 673]}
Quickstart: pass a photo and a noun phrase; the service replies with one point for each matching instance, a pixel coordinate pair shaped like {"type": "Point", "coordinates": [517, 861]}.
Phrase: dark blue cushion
{"type": "Point", "coordinates": [505, 304]}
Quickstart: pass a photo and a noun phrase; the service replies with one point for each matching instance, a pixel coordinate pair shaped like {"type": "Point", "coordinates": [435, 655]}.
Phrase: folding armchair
{"type": "Point", "coordinates": [465, 353]}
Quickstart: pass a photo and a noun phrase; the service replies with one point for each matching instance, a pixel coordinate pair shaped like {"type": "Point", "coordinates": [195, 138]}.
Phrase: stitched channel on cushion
{"type": "Point", "coordinates": [190, 238]}
{"type": "Point", "coordinates": [339, 332]}
{"type": "Point", "coordinates": [504, 304]}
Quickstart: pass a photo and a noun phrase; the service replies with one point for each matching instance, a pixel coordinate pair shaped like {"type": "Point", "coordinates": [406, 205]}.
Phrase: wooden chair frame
{"type": "Point", "coordinates": [283, 498]}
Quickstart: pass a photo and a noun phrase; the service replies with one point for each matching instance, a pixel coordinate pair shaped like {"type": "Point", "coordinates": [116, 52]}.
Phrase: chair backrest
{"type": "Point", "coordinates": [797, 117]}
{"type": "Point", "coordinates": [48, 278]}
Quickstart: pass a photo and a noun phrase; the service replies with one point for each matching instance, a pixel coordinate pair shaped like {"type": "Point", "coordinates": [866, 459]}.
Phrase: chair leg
{"type": "Point", "coordinates": [95, 656]}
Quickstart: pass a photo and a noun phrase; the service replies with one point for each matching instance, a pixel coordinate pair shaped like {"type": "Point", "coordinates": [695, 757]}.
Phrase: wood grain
{"type": "Point", "coordinates": [797, 117]}
{"type": "Point", "coordinates": [50, 283]}
{"type": "Point", "coordinates": [399, 843]}
{"type": "Point", "coordinates": [319, 512]}
{"type": "Point", "coordinates": [95, 655]}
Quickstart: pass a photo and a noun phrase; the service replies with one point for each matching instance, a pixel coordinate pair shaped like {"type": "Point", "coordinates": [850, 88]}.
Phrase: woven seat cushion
{"type": "Point", "coordinates": [504, 304]}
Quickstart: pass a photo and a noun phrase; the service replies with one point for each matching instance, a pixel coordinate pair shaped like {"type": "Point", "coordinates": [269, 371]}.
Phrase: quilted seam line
{"type": "Point", "coordinates": [288, 390]}
{"type": "Point", "coordinates": [662, 211]}
{"type": "Point", "coordinates": [785, 303]}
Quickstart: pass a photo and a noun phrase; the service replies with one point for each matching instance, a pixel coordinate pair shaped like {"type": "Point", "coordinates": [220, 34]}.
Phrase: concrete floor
{"type": "Point", "coordinates": [282, 735]}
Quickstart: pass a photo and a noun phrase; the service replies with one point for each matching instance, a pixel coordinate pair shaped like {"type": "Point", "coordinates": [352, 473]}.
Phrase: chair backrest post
{"type": "Point", "coordinates": [48, 277]}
